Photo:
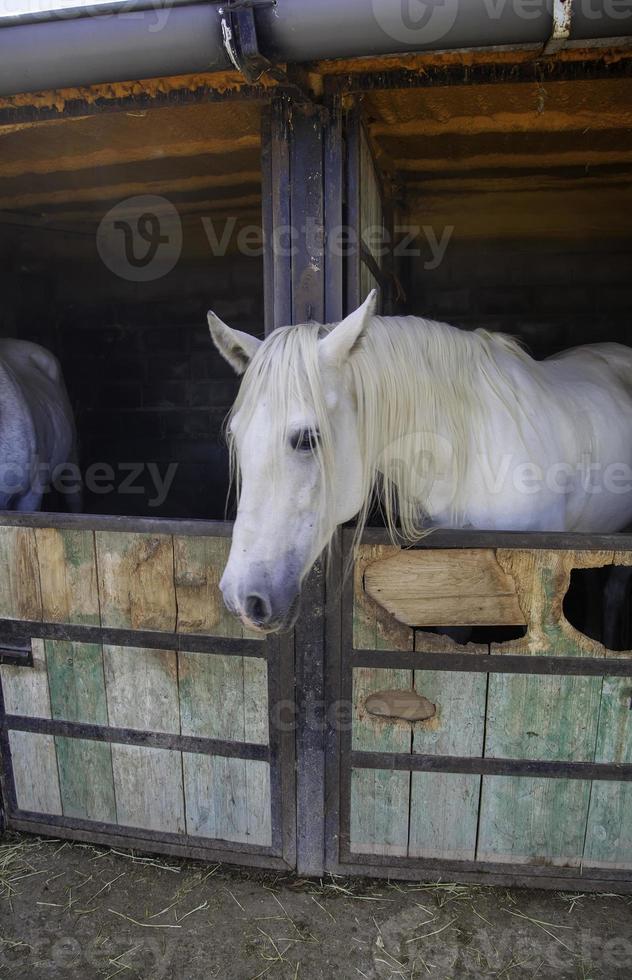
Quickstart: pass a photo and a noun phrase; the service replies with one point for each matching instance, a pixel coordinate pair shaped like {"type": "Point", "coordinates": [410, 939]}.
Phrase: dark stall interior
{"type": "Point", "coordinates": [519, 195]}
{"type": "Point", "coordinates": [146, 384]}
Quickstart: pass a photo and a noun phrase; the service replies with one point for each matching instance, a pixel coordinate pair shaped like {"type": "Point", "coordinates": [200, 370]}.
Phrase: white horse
{"type": "Point", "coordinates": [454, 428]}
{"type": "Point", "coordinates": [37, 429]}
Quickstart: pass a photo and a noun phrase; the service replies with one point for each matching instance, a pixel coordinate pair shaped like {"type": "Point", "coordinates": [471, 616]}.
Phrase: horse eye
{"type": "Point", "coordinates": [304, 441]}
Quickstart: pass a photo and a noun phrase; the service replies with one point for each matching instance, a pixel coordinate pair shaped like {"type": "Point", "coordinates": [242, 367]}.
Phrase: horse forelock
{"type": "Point", "coordinates": [284, 375]}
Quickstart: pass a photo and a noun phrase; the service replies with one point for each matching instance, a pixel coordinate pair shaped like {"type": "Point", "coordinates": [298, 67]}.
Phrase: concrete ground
{"type": "Point", "coordinates": [80, 911]}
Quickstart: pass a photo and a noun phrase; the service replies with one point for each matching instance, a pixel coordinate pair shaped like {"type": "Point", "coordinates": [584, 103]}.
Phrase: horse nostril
{"type": "Point", "coordinates": [257, 609]}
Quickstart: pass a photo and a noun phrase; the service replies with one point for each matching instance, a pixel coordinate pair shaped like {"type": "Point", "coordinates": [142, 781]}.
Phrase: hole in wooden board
{"type": "Point", "coordinates": [598, 604]}
{"type": "Point", "coordinates": [473, 634]}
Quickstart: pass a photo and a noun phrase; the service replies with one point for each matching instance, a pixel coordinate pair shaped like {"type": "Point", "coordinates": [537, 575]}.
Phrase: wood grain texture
{"type": "Point", "coordinates": [373, 627]}
{"type": "Point", "coordinates": [142, 688]}
{"type": "Point", "coordinates": [444, 807]}
{"type": "Point", "coordinates": [20, 596]}
{"type": "Point", "coordinates": [68, 576]}
{"type": "Point", "coordinates": [533, 716]}
{"type": "Point", "coordinates": [538, 717]}
{"type": "Point", "coordinates": [77, 693]}
{"type": "Point", "coordinates": [35, 772]}
{"type": "Point", "coordinates": [538, 821]}
{"type": "Point", "coordinates": [25, 689]}
{"type": "Point", "coordinates": [33, 756]}
{"type": "Point", "coordinates": [609, 834]}
{"type": "Point", "coordinates": [379, 799]}
{"type": "Point", "coordinates": [148, 787]}
{"type": "Point", "coordinates": [76, 681]}
{"type": "Point", "coordinates": [85, 779]}
{"type": "Point", "coordinates": [438, 587]}
{"type": "Point", "coordinates": [136, 584]}
{"type": "Point", "coordinates": [542, 580]}
{"type": "Point", "coordinates": [228, 799]}
{"type": "Point", "coordinates": [226, 698]}
{"type": "Point", "coordinates": [199, 565]}
{"type": "Point", "coordinates": [142, 692]}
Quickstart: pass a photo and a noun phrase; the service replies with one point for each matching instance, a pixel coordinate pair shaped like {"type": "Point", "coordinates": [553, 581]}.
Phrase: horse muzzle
{"type": "Point", "coordinates": [262, 610]}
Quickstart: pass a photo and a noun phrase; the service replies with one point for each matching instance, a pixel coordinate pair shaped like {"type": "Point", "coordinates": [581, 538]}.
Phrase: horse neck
{"type": "Point", "coordinates": [423, 373]}
{"type": "Point", "coordinates": [424, 392]}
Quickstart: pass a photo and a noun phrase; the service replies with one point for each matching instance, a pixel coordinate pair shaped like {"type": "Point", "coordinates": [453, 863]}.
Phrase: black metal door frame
{"type": "Point", "coordinates": [303, 201]}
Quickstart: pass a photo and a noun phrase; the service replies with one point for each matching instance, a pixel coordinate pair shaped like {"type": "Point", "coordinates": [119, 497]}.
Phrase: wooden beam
{"type": "Point", "coordinates": [443, 588]}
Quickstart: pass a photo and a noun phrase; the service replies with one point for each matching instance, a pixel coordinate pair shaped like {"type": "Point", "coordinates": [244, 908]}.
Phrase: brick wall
{"type": "Point", "coordinates": [553, 295]}
{"type": "Point", "coordinates": [145, 381]}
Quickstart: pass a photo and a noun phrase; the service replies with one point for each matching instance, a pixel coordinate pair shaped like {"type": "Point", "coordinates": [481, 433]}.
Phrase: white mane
{"type": "Point", "coordinates": [411, 379]}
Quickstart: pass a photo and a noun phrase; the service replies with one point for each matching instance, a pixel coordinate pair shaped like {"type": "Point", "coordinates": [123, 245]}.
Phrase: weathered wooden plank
{"type": "Point", "coordinates": [142, 688]}
{"type": "Point", "coordinates": [77, 693]}
{"type": "Point", "coordinates": [33, 758]}
{"type": "Point", "coordinates": [609, 834]}
{"type": "Point", "coordinates": [228, 798]}
{"type": "Point", "coordinates": [255, 700]}
{"type": "Point", "coordinates": [547, 718]}
{"type": "Point", "coordinates": [68, 576]}
{"type": "Point", "coordinates": [35, 772]}
{"type": "Point", "coordinates": [445, 588]}
{"type": "Point", "coordinates": [226, 697]}
{"type": "Point", "coordinates": [76, 682]}
{"type": "Point", "coordinates": [541, 717]}
{"type": "Point", "coordinates": [148, 787]}
{"type": "Point", "coordinates": [85, 779]}
{"type": "Point", "coordinates": [20, 596]}
{"type": "Point", "coordinates": [542, 579]}
{"type": "Point", "coordinates": [379, 799]}
{"type": "Point", "coordinates": [534, 716]}
{"type": "Point", "coordinates": [199, 563]}
{"type": "Point", "coordinates": [142, 692]}
{"type": "Point", "coordinates": [135, 576]}
{"type": "Point", "coordinates": [25, 689]}
{"type": "Point", "coordinates": [444, 807]}
{"type": "Point", "coordinates": [373, 627]}
{"type": "Point", "coordinates": [534, 821]}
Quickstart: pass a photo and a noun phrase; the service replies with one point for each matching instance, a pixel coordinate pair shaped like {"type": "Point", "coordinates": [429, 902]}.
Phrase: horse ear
{"type": "Point", "coordinates": [337, 345]}
{"type": "Point", "coordinates": [234, 345]}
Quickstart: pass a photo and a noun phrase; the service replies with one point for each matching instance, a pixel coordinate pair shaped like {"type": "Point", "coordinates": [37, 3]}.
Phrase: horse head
{"type": "Point", "coordinates": [296, 457]}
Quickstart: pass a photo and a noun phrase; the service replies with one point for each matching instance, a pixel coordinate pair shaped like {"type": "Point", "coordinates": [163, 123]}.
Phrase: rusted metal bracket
{"type": "Point", "coordinates": [239, 35]}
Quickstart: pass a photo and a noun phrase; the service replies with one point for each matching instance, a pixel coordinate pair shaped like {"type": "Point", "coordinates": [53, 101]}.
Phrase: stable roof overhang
{"type": "Point", "coordinates": [117, 40]}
